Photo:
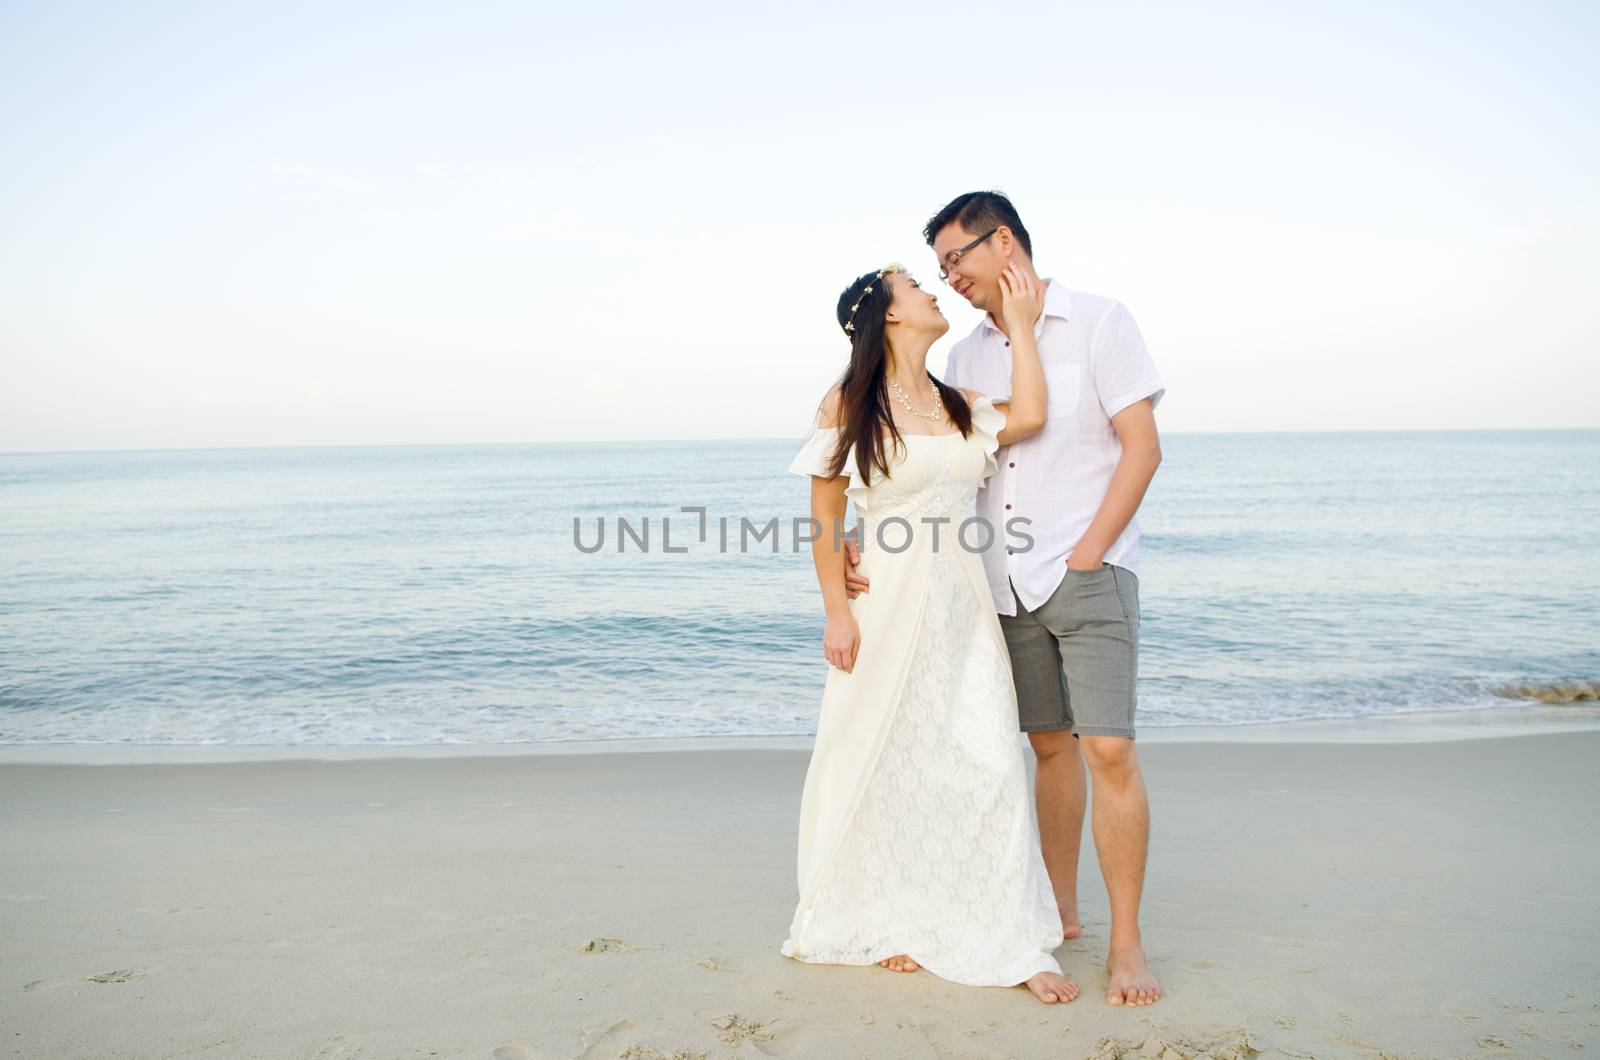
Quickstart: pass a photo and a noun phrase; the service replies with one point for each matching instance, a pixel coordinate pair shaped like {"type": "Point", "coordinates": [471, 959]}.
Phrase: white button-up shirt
{"type": "Point", "coordinates": [1095, 365]}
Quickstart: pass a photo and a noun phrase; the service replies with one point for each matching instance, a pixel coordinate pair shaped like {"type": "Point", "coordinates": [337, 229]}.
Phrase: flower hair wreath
{"type": "Point", "coordinates": [893, 266]}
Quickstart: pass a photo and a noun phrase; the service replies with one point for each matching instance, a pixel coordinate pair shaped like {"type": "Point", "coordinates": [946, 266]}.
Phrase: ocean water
{"type": "Point", "coordinates": [402, 595]}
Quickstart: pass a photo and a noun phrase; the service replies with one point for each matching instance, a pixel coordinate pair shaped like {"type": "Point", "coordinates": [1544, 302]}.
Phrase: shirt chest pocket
{"type": "Point", "coordinates": [1065, 383]}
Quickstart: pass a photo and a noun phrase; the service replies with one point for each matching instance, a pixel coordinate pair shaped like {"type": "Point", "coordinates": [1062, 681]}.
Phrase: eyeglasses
{"type": "Point", "coordinates": [952, 259]}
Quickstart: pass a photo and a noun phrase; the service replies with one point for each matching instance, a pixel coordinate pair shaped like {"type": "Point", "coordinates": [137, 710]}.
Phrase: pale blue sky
{"type": "Point", "coordinates": [325, 224]}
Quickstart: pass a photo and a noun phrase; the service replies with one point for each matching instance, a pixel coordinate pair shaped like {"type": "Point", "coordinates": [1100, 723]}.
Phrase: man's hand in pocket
{"type": "Point", "coordinates": [854, 583]}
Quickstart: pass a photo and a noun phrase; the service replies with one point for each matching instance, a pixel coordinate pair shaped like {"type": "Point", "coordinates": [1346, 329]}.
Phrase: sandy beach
{"type": "Point", "coordinates": [1428, 896]}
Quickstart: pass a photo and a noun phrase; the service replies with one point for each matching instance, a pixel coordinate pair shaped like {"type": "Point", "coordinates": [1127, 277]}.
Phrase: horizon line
{"type": "Point", "coordinates": [771, 438]}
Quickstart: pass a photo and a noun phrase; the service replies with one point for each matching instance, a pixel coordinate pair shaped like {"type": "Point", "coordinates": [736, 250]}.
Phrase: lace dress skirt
{"type": "Point", "coordinates": [941, 860]}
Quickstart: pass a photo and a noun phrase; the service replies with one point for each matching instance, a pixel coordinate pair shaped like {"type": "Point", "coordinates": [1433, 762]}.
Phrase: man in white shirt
{"type": "Point", "coordinates": [1068, 598]}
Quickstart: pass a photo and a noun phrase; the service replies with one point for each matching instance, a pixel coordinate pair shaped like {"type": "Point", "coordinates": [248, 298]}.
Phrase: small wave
{"type": "Point", "coordinates": [1552, 691]}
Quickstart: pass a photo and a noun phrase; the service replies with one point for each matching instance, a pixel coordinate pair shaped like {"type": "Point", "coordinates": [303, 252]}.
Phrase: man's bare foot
{"type": "Point", "coordinates": [1052, 988]}
{"type": "Point", "coordinates": [900, 963]}
{"type": "Point", "coordinates": [1071, 926]}
{"type": "Point", "coordinates": [1131, 981]}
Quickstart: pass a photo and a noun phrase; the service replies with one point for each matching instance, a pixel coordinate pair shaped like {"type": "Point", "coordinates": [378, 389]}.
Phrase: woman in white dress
{"type": "Point", "coordinates": [917, 845]}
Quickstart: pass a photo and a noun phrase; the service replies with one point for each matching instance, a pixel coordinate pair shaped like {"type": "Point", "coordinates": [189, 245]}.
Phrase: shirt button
{"type": "Point", "coordinates": [1009, 551]}
{"type": "Point", "coordinates": [1008, 507]}
{"type": "Point", "coordinates": [1012, 464]}
{"type": "Point", "coordinates": [1008, 342]}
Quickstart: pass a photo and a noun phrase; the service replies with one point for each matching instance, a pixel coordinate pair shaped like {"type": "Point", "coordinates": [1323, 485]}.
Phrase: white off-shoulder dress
{"type": "Point", "coordinates": [916, 835]}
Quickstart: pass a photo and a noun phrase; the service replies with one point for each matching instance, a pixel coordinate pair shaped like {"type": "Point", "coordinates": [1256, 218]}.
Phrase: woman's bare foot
{"type": "Point", "coordinates": [1052, 988]}
{"type": "Point", "coordinates": [1131, 981]}
{"type": "Point", "coordinates": [900, 963]}
{"type": "Point", "coordinates": [1071, 926]}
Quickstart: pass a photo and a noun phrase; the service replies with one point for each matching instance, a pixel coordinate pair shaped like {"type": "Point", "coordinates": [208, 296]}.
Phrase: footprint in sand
{"type": "Point", "coordinates": [48, 984]}
{"type": "Point", "coordinates": [607, 946]}
{"type": "Point", "coordinates": [514, 1051]}
{"type": "Point", "coordinates": [1235, 1044]}
{"type": "Point", "coordinates": [735, 1030]}
{"type": "Point", "coordinates": [712, 964]}
{"type": "Point", "coordinates": [611, 1043]}
{"type": "Point", "coordinates": [121, 975]}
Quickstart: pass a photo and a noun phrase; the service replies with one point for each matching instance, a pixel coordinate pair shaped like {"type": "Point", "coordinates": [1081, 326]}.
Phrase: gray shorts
{"type": "Point", "coordinates": [1076, 658]}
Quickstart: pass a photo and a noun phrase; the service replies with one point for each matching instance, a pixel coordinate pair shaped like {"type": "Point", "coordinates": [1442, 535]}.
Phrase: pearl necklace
{"type": "Point", "coordinates": [937, 412]}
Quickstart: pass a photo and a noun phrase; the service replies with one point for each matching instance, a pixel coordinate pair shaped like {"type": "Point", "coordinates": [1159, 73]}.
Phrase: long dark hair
{"type": "Point", "coordinates": [864, 412]}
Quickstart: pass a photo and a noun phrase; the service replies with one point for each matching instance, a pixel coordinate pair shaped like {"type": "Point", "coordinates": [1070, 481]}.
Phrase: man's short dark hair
{"type": "Point", "coordinates": [977, 212]}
